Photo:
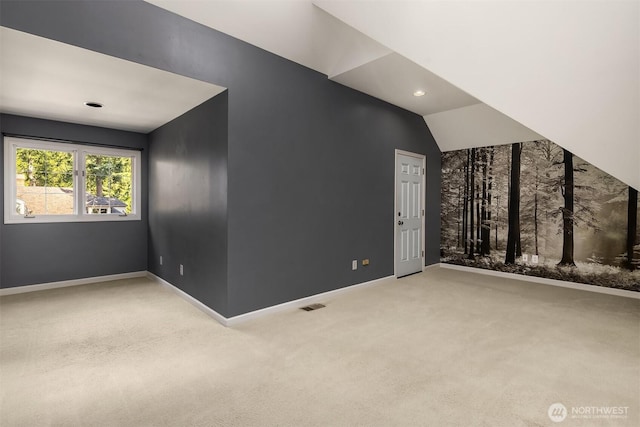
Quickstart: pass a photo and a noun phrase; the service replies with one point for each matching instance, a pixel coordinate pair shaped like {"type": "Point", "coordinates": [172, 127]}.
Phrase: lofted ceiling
{"type": "Point", "coordinates": [565, 70]}
{"type": "Point", "coordinates": [47, 79]}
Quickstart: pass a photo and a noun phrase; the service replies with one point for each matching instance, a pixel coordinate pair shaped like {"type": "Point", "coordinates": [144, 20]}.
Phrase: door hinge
{"type": "Point", "coordinates": [422, 254]}
{"type": "Point", "coordinates": [422, 212]}
{"type": "Point", "coordinates": [423, 171]}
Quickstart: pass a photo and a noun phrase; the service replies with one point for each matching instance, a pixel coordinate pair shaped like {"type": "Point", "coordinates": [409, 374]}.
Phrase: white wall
{"type": "Point", "coordinates": [569, 70]}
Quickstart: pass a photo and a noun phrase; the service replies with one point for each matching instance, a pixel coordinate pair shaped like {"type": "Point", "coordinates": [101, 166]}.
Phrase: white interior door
{"type": "Point", "coordinates": [409, 213]}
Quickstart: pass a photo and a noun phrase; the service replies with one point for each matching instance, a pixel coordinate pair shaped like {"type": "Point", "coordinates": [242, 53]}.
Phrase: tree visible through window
{"type": "Point", "coordinates": [44, 181]}
{"type": "Point", "coordinates": [108, 184]}
{"type": "Point", "coordinates": [69, 182]}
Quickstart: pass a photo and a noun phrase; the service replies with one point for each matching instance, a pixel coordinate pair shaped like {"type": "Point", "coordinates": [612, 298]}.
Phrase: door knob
{"type": "Point", "coordinates": [400, 222]}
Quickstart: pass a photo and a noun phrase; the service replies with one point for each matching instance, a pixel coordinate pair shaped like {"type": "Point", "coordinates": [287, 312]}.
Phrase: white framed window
{"type": "Point", "coordinates": [65, 182]}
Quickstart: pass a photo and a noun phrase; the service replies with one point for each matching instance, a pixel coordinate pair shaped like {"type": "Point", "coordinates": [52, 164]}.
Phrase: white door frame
{"type": "Point", "coordinates": [395, 204]}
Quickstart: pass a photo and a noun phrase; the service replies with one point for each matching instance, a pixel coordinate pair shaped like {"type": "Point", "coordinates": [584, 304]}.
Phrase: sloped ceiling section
{"type": "Point", "coordinates": [387, 77]}
{"type": "Point", "coordinates": [568, 70]}
{"type": "Point", "coordinates": [476, 126]}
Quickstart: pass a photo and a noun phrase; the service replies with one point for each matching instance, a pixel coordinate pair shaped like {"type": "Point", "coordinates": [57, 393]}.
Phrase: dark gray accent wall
{"type": "Point", "coordinates": [318, 165]}
{"type": "Point", "coordinates": [310, 162]}
{"type": "Point", "coordinates": [42, 253]}
{"type": "Point", "coordinates": [188, 202]}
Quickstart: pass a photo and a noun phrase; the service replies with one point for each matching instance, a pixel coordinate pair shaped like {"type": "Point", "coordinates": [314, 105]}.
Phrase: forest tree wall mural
{"type": "Point", "coordinates": [536, 209]}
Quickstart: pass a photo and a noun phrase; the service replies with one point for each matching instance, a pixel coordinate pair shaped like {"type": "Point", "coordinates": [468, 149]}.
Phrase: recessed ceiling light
{"type": "Point", "coordinates": [419, 93]}
{"type": "Point", "coordinates": [93, 104]}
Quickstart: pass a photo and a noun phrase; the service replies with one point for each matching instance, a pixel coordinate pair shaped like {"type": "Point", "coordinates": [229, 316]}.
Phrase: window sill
{"type": "Point", "coordinates": [75, 219]}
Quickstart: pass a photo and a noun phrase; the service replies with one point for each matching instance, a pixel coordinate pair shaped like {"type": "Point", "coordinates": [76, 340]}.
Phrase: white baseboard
{"type": "Point", "coordinates": [289, 305]}
{"type": "Point", "coordinates": [235, 320]}
{"type": "Point", "coordinates": [191, 300]}
{"type": "Point", "coordinates": [545, 281]}
{"type": "Point", "coordinates": [67, 283]}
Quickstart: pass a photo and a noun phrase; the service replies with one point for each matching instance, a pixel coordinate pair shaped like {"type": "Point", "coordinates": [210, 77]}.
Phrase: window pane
{"type": "Point", "coordinates": [108, 184]}
{"type": "Point", "coordinates": [44, 182]}
{"type": "Point", "coordinates": [30, 165]}
{"type": "Point", "coordinates": [59, 203]}
{"type": "Point", "coordinates": [31, 202]}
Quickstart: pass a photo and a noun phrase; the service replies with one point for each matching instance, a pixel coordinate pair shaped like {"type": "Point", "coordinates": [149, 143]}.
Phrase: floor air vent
{"type": "Point", "coordinates": [312, 307]}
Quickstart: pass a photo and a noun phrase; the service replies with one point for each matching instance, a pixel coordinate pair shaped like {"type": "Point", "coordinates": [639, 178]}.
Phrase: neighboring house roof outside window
{"type": "Point", "coordinates": [95, 201]}
{"type": "Point", "coordinates": [59, 201]}
{"type": "Point", "coordinates": [46, 200]}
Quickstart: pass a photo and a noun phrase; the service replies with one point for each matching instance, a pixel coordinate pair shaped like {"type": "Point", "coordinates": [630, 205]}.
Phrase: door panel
{"type": "Point", "coordinates": [416, 248]}
{"type": "Point", "coordinates": [404, 251]}
{"type": "Point", "coordinates": [415, 200]}
{"type": "Point", "coordinates": [409, 178]}
{"type": "Point", "coordinates": [404, 204]}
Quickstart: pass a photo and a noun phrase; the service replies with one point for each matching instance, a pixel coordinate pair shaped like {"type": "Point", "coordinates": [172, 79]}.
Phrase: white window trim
{"type": "Point", "coordinates": [79, 152]}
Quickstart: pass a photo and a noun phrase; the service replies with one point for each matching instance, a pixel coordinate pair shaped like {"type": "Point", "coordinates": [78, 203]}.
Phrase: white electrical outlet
{"type": "Point", "coordinates": [525, 257]}
{"type": "Point", "coordinates": [534, 259]}
{"type": "Point", "coordinates": [160, 259]}
{"type": "Point", "coordinates": [181, 270]}
{"type": "Point", "coordinates": [354, 264]}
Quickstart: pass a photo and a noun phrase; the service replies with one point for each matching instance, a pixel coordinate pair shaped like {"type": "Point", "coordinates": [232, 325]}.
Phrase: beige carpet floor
{"type": "Point", "coordinates": [440, 348]}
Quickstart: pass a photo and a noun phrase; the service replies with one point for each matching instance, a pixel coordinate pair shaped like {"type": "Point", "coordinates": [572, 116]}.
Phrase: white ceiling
{"type": "Point", "coordinates": [52, 80]}
{"type": "Point", "coordinates": [570, 70]}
